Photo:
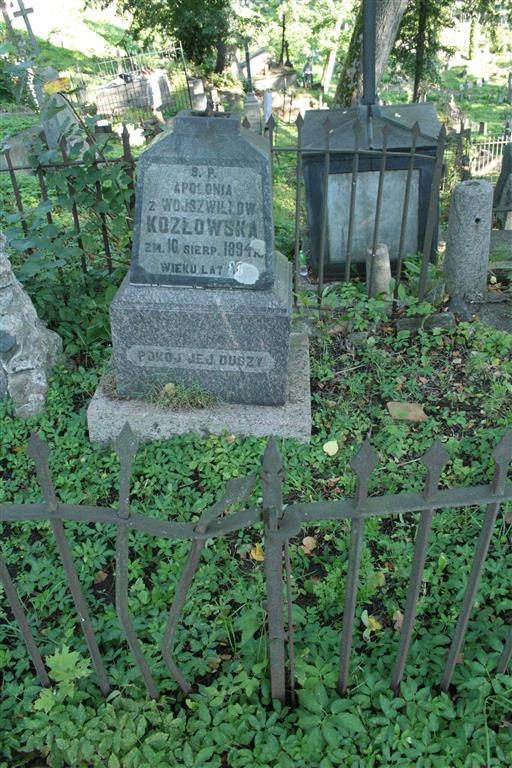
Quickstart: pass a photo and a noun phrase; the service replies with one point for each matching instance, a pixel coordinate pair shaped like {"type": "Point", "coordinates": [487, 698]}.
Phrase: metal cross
{"type": "Point", "coordinates": [23, 12]}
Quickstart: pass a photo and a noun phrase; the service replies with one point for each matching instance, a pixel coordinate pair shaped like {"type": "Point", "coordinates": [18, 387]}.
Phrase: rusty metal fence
{"type": "Point", "coordinates": [281, 523]}
{"type": "Point", "coordinates": [50, 177]}
{"type": "Point", "coordinates": [457, 151]}
{"type": "Point", "coordinates": [383, 155]}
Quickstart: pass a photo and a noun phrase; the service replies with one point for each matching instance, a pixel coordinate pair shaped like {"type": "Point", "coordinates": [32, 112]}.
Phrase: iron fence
{"type": "Point", "coordinates": [142, 81]}
{"type": "Point", "coordinates": [50, 177]}
{"type": "Point", "coordinates": [452, 152]}
{"type": "Point", "coordinates": [281, 523]}
{"type": "Point", "coordinates": [383, 155]}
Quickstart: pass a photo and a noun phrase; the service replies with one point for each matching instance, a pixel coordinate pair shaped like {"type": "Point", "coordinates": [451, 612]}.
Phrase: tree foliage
{"type": "Point", "coordinates": [202, 26]}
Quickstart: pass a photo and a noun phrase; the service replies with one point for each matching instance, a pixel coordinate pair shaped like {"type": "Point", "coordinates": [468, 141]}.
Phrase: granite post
{"type": "Point", "coordinates": [468, 240]}
{"type": "Point", "coordinates": [378, 270]}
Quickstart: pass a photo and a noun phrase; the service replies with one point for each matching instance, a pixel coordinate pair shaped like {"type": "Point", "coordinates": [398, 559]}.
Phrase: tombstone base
{"type": "Point", "coordinates": [107, 415]}
{"type": "Point", "coordinates": [231, 344]}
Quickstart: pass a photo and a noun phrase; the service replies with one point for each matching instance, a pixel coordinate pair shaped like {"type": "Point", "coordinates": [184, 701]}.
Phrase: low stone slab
{"type": "Point", "coordinates": [106, 415]}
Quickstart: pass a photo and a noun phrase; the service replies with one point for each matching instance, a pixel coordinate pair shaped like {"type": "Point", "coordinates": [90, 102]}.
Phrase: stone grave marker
{"type": "Point", "coordinates": [203, 208]}
{"type": "Point", "coordinates": [207, 302]}
{"type": "Point", "coordinates": [28, 350]}
{"type": "Point", "coordinates": [468, 240]}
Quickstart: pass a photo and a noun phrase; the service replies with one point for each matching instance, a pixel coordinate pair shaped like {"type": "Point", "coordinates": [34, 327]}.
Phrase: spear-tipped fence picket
{"type": "Point", "coordinates": [281, 524]}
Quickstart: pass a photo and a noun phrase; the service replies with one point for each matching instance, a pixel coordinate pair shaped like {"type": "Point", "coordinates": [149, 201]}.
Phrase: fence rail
{"type": "Point", "coordinates": [281, 524]}
{"type": "Point", "coordinates": [465, 157]}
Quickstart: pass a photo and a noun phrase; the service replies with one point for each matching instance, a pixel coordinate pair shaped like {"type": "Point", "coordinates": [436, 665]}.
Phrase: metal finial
{"type": "Point", "coordinates": [126, 447]}
{"type": "Point", "coordinates": [435, 460]}
{"type": "Point", "coordinates": [272, 461]}
{"type": "Point", "coordinates": [39, 452]}
{"type": "Point", "coordinates": [363, 464]}
{"type": "Point", "coordinates": [502, 455]}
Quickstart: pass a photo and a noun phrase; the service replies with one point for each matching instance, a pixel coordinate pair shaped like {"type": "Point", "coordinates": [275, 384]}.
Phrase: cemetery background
{"type": "Point", "coordinates": [463, 376]}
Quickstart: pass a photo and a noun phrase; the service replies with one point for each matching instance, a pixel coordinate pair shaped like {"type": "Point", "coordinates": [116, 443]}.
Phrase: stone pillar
{"type": "Point", "coordinates": [378, 270]}
{"type": "Point", "coordinates": [468, 240]}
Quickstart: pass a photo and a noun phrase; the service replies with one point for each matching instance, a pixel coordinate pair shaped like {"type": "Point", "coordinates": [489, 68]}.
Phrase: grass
{"type": "Point", "coordinates": [174, 397]}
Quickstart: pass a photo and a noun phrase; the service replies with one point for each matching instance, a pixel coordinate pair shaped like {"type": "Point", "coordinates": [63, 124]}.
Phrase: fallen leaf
{"type": "Point", "coordinates": [257, 553]}
{"type": "Point", "coordinates": [230, 439]}
{"type": "Point", "coordinates": [380, 579]}
{"type": "Point", "coordinates": [331, 448]}
{"type": "Point", "coordinates": [100, 577]}
{"type": "Point", "coordinates": [398, 620]}
{"type": "Point", "coordinates": [308, 544]}
{"type": "Point", "coordinates": [406, 411]}
{"type": "Point", "coordinates": [508, 517]}
{"type": "Point", "coordinates": [374, 624]}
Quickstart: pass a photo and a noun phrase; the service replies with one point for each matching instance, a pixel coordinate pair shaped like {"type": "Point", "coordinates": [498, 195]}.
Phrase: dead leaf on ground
{"type": "Point", "coordinates": [406, 411]}
{"type": "Point", "coordinates": [100, 577]}
{"type": "Point", "coordinates": [508, 517]}
{"type": "Point", "coordinates": [331, 448]}
{"type": "Point", "coordinates": [308, 544]}
{"type": "Point", "coordinates": [398, 620]}
{"type": "Point", "coordinates": [257, 553]}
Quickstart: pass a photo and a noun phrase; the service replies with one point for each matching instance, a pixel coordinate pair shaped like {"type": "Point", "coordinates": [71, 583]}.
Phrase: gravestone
{"type": "Point", "coordinates": [57, 117]}
{"type": "Point", "coordinates": [399, 121]}
{"type": "Point", "coordinates": [28, 350]}
{"type": "Point", "coordinates": [468, 240]}
{"type": "Point", "coordinates": [207, 301]}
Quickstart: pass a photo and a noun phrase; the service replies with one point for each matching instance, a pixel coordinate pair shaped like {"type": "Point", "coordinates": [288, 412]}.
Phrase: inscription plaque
{"type": "Point", "coordinates": [202, 221]}
{"type": "Point", "coordinates": [189, 358]}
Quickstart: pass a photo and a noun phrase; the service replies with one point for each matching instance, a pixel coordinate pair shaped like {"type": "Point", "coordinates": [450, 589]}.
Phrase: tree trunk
{"type": "Point", "coordinates": [420, 47]}
{"type": "Point", "coordinates": [220, 62]}
{"type": "Point", "coordinates": [350, 85]}
{"type": "Point", "coordinates": [331, 58]}
{"type": "Point", "coordinates": [472, 36]}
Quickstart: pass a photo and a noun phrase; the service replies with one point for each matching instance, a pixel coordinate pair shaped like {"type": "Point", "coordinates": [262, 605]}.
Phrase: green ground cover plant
{"type": "Point", "coordinates": [463, 378]}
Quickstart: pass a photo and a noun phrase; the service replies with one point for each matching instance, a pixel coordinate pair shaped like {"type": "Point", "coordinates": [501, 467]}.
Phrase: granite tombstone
{"type": "Point", "coordinates": [207, 301]}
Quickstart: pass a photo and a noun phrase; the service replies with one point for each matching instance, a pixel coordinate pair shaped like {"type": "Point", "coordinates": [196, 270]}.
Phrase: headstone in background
{"type": "Point", "coordinates": [252, 112]}
{"type": "Point", "coordinates": [482, 128]}
{"type": "Point", "coordinates": [399, 120]}
{"type": "Point", "coordinates": [147, 89]}
{"type": "Point", "coordinates": [197, 94]}
{"type": "Point", "coordinates": [203, 220]}
{"type": "Point", "coordinates": [509, 88]}
{"type": "Point", "coordinates": [20, 147]}
{"type": "Point", "coordinates": [468, 240]}
{"type": "Point", "coordinates": [267, 106]}
{"type": "Point", "coordinates": [28, 350]}
{"type": "Point", "coordinates": [503, 190]}
{"type": "Point", "coordinates": [57, 117]}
